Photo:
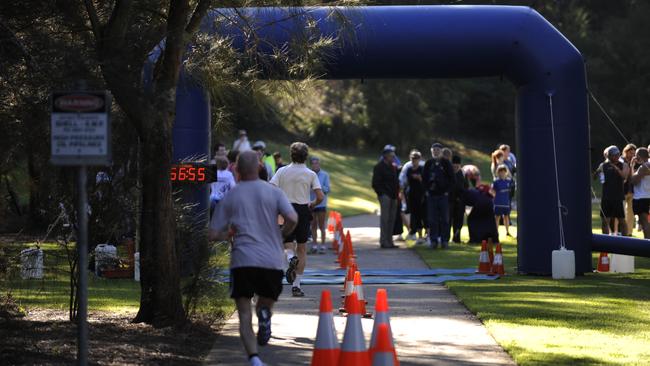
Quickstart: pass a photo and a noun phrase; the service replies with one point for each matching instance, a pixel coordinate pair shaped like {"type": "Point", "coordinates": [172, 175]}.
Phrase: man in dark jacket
{"type": "Point", "coordinates": [386, 185]}
{"type": "Point", "coordinates": [438, 180]}
{"type": "Point", "coordinates": [456, 204]}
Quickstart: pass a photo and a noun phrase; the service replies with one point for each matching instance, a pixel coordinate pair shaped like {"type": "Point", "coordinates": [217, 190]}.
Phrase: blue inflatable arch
{"type": "Point", "coordinates": [460, 42]}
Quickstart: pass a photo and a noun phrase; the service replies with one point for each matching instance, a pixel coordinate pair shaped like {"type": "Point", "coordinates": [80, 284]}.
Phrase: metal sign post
{"type": "Point", "coordinates": [80, 136]}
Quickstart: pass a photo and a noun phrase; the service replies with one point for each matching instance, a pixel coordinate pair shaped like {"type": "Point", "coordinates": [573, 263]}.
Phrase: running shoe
{"type": "Point", "coordinates": [313, 250]}
{"type": "Point", "coordinates": [290, 274]}
{"type": "Point", "coordinates": [297, 292]}
{"type": "Point", "coordinates": [321, 250]}
{"type": "Point", "coordinates": [263, 325]}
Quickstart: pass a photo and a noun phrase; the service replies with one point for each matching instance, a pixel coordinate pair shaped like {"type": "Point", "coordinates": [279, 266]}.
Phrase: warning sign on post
{"type": "Point", "coordinates": [81, 128]}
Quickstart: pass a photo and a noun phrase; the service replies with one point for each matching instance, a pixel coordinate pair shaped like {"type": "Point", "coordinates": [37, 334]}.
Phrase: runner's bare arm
{"type": "Point", "coordinates": [290, 222]}
{"type": "Point", "coordinates": [220, 234]}
{"type": "Point", "coordinates": [319, 198]}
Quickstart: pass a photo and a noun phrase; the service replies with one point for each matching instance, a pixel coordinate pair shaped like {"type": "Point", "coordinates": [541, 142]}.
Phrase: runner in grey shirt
{"type": "Point", "coordinates": [249, 215]}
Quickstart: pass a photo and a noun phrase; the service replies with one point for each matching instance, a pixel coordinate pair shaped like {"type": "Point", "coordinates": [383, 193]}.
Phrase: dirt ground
{"type": "Point", "coordinates": [45, 337]}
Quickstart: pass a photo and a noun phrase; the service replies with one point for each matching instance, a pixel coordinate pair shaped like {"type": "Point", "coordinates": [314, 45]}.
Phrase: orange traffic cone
{"type": "Point", "coordinates": [497, 264]}
{"type": "Point", "coordinates": [349, 286]}
{"type": "Point", "coordinates": [335, 242]}
{"type": "Point", "coordinates": [326, 348]}
{"type": "Point", "coordinates": [358, 288]}
{"type": "Point", "coordinates": [384, 353]}
{"type": "Point", "coordinates": [343, 254]}
{"type": "Point", "coordinates": [603, 262]}
{"type": "Point", "coordinates": [353, 350]}
{"type": "Point", "coordinates": [490, 250]}
{"type": "Point", "coordinates": [331, 222]}
{"type": "Point", "coordinates": [348, 239]}
{"type": "Point", "coordinates": [484, 263]}
{"type": "Point", "coordinates": [381, 317]}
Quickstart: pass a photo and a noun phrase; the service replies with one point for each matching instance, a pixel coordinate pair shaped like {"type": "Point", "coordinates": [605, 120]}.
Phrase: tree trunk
{"type": "Point", "coordinates": [160, 298]}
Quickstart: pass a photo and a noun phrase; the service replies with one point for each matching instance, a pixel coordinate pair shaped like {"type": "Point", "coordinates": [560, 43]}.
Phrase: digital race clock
{"type": "Point", "coordinates": [193, 173]}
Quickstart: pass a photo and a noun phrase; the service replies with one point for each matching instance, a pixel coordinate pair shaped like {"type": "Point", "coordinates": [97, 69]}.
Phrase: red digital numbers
{"type": "Point", "coordinates": [201, 174]}
{"type": "Point", "coordinates": [187, 173]}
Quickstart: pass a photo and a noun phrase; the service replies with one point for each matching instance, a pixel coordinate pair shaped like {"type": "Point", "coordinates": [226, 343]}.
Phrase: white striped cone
{"type": "Point", "coordinates": [381, 317]}
{"type": "Point", "coordinates": [353, 350]}
{"type": "Point", "coordinates": [326, 348]}
{"type": "Point", "coordinates": [385, 352]}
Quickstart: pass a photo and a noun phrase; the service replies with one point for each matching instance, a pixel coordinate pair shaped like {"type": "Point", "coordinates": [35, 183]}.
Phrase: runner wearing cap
{"type": "Point", "coordinates": [297, 182]}
{"type": "Point", "coordinates": [613, 194]}
{"type": "Point", "coordinates": [249, 215]}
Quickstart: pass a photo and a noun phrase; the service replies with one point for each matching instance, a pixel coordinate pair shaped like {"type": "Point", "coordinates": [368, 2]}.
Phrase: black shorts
{"type": "Point", "coordinates": [301, 233]}
{"type": "Point", "coordinates": [641, 206]}
{"type": "Point", "coordinates": [247, 281]}
{"type": "Point", "coordinates": [613, 208]}
{"type": "Point", "coordinates": [319, 209]}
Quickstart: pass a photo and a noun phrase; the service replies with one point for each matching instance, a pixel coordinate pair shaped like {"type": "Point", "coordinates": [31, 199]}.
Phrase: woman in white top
{"type": "Point", "coordinates": [641, 182]}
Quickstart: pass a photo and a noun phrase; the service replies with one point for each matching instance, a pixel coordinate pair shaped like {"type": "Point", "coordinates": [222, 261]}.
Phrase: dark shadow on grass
{"type": "Point", "coordinates": [115, 341]}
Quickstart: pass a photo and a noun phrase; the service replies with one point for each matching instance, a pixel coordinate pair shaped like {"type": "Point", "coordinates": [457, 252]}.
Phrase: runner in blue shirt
{"type": "Point", "coordinates": [501, 190]}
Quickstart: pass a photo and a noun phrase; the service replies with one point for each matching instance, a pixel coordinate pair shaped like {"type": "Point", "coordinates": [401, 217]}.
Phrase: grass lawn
{"type": "Point", "coordinates": [104, 295]}
{"type": "Point", "coordinates": [596, 319]}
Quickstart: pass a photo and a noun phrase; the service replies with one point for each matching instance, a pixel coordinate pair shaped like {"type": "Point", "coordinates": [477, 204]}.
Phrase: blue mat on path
{"type": "Point", "coordinates": [397, 272]}
{"type": "Point", "coordinates": [385, 280]}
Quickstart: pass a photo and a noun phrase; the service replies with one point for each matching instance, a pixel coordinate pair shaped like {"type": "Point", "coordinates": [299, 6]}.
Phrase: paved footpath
{"type": "Point", "coordinates": [429, 324]}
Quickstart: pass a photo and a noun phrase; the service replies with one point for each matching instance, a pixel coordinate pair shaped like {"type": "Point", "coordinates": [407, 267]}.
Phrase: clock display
{"type": "Point", "coordinates": [192, 173]}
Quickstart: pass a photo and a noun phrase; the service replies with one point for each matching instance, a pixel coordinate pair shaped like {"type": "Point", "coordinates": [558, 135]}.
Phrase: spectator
{"type": "Point", "coordinates": [396, 160]}
{"type": "Point", "coordinates": [447, 153]}
{"type": "Point", "coordinates": [241, 144]}
{"type": "Point", "coordinates": [249, 214]}
{"type": "Point", "coordinates": [277, 157]}
{"type": "Point", "coordinates": [266, 159]}
{"type": "Point", "coordinates": [438, 177]}
{"type": "Point", "coordinates": [385, 184]}
{"type": "Point", "coordinates": [415, 195]}
{"type": "Point", "coordinates": [510, 161]}
{"type": "Point", "coordinates": [232, 159]}
{"type": "Point", "coordinates": [472, 174]}
{"type": "Point", "coordinates": [319, 211]}
{"type": "Point", "coordinates": [501, 191]}
{"type": "Point", "coordinates": [628, 154]}
{"type": "Point", "coordinates": [225, 182]}
{"type": "Point", "coordinates": [498, 157]}
{"type": "Point", "coordinates": [297, 182]}
{"type": "Point", "coordinates": [613, 194]}
{"type": "Point", "coordinates": [641, 182]}
{"type": "Point", "coordinates": [480, 221]}
{"type": "Point", "coordinates": [457, 206]}
{"type": "Point", "coordinates": [220, 150]}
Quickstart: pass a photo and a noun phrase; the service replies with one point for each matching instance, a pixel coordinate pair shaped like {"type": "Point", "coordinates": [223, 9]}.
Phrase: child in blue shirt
{"type": "Point", "coordinates": [501, 188]}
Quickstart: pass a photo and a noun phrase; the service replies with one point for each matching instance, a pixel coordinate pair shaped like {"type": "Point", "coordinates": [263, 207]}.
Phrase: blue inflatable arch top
{"type": "Point", "coordinates": [459, 42]}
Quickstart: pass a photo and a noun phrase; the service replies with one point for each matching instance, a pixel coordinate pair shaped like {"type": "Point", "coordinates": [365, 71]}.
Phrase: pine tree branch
{"type": "Point", "coordinates": [95, 24]}
{"type": "Point", "coordinates": [199, 13]}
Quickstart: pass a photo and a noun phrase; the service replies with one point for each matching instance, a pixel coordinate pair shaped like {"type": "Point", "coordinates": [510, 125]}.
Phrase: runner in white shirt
{"type": "Point", "coordinates": [297, 181]}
